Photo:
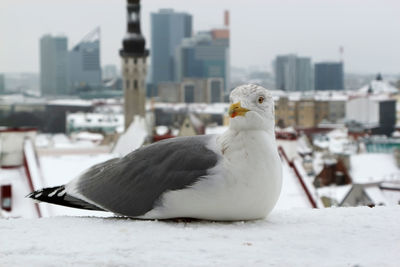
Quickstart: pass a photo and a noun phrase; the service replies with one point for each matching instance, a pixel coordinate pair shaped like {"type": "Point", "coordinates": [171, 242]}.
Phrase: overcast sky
{"type": "Point", "coordinates": [369, 30]}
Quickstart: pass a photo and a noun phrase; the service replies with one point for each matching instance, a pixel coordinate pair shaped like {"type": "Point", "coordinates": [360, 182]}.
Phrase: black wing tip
{"type": "Point", "coordinates": [57, 195]}
{"type": "Point", "coordinates": [31, 194]}
{"type": "Point", "coordinates": [45, 193]}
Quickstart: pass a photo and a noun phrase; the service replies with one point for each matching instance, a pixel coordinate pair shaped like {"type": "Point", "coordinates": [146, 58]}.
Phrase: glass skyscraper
{"type": "Point", "coordinates": [84, 62]}
{"type": "Point", "coordinates": [53, 65]}
{"type": "Point", "coordinates": [203, 57]}
{"type": "Point", "coordinates": [329, 76]}
{"type": "Point", "coordinates": [168, 28]}
{"type": "Point", "coordinates": [293, 73]}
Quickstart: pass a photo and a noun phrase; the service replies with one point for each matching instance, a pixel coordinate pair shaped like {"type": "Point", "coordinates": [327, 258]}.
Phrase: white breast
{"type": "Point", "coordinates": [244, 185]}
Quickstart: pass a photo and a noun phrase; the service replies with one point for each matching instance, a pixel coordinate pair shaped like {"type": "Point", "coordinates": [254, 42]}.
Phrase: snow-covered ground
{"type": "Point", "coordinates": [298, 237]}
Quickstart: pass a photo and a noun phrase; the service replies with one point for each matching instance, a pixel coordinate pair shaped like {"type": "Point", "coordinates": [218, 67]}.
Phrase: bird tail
{"type": "Point", "coordinates": [58, 195]}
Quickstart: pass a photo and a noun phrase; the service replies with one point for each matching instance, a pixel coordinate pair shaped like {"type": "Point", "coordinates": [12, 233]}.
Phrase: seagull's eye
{"type": "Point", "coordinates": [260, 99]}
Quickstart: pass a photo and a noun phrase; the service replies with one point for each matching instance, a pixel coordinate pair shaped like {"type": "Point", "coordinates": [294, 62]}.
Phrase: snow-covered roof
{"type": "Point", "coordinates": [336, 141]}
{"type": "Point", "coordinates": [161, 129]}
{"type": "Point", "coordinates": [198, 108]}
{"type": "Point", "coordinates": [292, 194]}
{"type": "Point", "coordinates": [335, 192]}
{"type": "Point", "coordinates": [303, 146]}
{"type": "Point", "coordinates": [70, 102]}
{"type": "Point", "coordinates": [62, 141]}
{"type": "Point", "coordinates": [376, 195]}
{"type": "Point", "coordinates": [216, 129]}
{"type": "Point", "coordinates": [16, 177]}
{"type": "Point", "coordinates": [87, 136]}
{"type": "Point", "coordinates": [87, 120]}
{"type": "Point", "coordinates": [378, 87]}
{"type": "Point", "coordinates": [373, 168]}
{"type": "Point", "coordinates": [133, 138]}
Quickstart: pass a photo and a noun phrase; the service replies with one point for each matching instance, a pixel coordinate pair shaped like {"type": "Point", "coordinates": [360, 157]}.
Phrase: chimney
{"type": "Point", "coordinates": [226, 18]}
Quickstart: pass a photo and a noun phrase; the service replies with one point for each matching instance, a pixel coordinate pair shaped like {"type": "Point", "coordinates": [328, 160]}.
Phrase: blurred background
{"type": "Point", "coordinates": [85, 81]}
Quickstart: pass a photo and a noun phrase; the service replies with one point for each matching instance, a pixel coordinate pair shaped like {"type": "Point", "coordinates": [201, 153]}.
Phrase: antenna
{"type": "Point", "coordinates": [341, 53]}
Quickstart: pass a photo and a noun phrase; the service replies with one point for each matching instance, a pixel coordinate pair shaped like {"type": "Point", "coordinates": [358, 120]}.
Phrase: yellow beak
{"type": "Point", "coordinates": [236, 110]}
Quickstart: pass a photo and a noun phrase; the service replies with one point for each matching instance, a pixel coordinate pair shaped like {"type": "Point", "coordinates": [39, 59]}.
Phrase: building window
{"type": "Point", "coordinates": [127, 84]}
{"type": "Point", "coordinates": [135, 61]}
{"type": "Point", "coordinates": [135, 84]}
{"type": "Point", "coordinates": [189, 93]}
{"type": "Point", "coordinates": [216, 89]}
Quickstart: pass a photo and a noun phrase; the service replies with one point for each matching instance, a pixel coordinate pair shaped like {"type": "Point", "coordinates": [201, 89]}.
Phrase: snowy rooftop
{"type": "Point", "coordinates": [316, 95]}
{"type": "Point", "coordinates": [70, 102]}
{"type": "Point", "coordinates": [299, 237]}
{"type": "Point", "coordinates": [81, 119]}
{"type": "Point", "coordinates": [373, 168]}
{"type": "Point", "coordinates": [378, 87]}
{"type": "Point", "coordinates": [214, 108]}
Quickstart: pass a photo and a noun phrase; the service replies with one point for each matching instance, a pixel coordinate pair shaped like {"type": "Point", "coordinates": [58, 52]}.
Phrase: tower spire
{"type": "Point", "coordinates": [134, 67]}
{"type": "Point", "coordinates": [133, 43]}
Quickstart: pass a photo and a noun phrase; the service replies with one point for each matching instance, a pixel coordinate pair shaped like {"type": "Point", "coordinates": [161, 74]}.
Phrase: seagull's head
{"type": "Point", "coordinates": [252, 108]}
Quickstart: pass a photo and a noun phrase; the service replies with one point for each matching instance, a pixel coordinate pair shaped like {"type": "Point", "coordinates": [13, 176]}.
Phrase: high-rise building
{"type": "Point", "coordinates": [53, 65]}
{"type": "Point", "coordinates": [203, 57]}
{"type": "Point", "coordinates": [293, 73]}
{"type": "Point", "coordinates": [2, 84]}
{"type": "Point", "coordinates": [168, 28]}
{"type": "Point", "coordinates": [84, 62]}
{"type": "Point", "coordinates": [329, 76]}
{"type": "Point", "coordinates": [109, 72]}
{"type": "Point", "coordinates": [134, 65]}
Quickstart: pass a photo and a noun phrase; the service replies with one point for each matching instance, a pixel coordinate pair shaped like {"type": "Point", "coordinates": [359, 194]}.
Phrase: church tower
{"type": "Point", "coordinates": [134, 67]}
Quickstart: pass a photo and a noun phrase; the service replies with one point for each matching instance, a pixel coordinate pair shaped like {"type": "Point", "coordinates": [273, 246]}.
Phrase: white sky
{"type": "Point", "coordinates": [369, 30]}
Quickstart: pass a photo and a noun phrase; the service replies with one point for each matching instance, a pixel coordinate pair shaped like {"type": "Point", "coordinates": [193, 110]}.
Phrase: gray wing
{"type": "Point", "coordinates": [132, 185]}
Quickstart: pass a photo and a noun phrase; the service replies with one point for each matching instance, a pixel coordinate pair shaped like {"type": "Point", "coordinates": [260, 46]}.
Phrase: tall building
{"type": "Point", "coordinates": [109, 72]}
{"type": "Point", "coordinates": [168, 28]}
{"type": "Point", "coordinates": [134, 65]}
{"type": "Point", "coordinates": [84, 62]}
{"type": "Point", "coordinates": [53, 65]}
{"type": "Point", "coordinates": [329, 76]}
{"type": "Point", "coordinates": [2, 84]}
{"type": "Point", "coordinates": [293, 73]}
{"type": "Point", "coordinates": [203, 57]}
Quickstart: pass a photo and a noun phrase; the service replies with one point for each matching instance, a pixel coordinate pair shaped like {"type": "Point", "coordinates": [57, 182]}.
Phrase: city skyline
{"type": "Point", "coordinates": [260, 30]}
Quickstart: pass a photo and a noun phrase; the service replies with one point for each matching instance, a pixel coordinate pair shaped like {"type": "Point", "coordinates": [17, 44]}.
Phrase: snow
{"type": "Point", "coordinates": [20, 188]}
{"type": "Point", "coordinates": [61, 170]}
{"type": "Point", "coordinates": [378, 87]}
{"type": "Point", "coordinates": [336, 141]}
{"type": "Point", "coordinates": [161, 129]}
{"type": "Point", "coordinates": [335, 192]}
{"type": "Point", "coordinates": [300, 237]}
{"type": "Point", "coordinates": [134, 137]}
{"type": "Point", "coordinates": [197, 108]}
{"type": "Point", "coordinates": [373, 168]}
{"type": "Point", "coordinates": [376, 195]}
{"type": "Point", "coordinates": [292, 195]}
{"type": "Point", "coordinates": [70, 102]}
{"type": "Point", "coordinates": [216, 129]}
{"type": "Point", "coordinates": [88, 136]}
{"type": "Point", "coordinates": [308, 182]}
{"type": "Point", "coordinates": [107, 121]}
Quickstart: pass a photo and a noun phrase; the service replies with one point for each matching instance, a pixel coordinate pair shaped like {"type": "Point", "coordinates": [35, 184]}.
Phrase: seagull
{"type": "Point", "coordinates": [229, 177]}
